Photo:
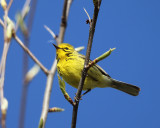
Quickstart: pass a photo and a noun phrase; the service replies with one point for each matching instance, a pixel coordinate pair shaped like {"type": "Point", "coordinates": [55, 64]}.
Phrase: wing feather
{"type": "Point", "coordinates": [97, 66]}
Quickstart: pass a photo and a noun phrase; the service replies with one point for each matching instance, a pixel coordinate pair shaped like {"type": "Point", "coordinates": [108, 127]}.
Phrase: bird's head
{"type": "Point", "coordinates": [63, 50]}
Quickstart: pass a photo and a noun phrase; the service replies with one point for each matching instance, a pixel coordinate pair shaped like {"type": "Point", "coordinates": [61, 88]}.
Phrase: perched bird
{"type": "Point", "coordinates": [70, 65]}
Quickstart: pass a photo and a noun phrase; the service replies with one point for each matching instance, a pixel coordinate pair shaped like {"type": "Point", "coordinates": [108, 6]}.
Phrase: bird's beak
{"type": "Point", "coordinates": [56, 46]}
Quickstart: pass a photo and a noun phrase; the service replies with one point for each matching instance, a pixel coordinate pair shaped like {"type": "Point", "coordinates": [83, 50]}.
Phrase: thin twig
{"type": "Point", "coordinates": [103, 56]}
{"type": "Point", "coordinates": [87, 14]}
{"type": "Point", "coordinates": [45, 70]}
{"type": "Point", "coordinates": [2, 78]}
{"type": "Point", "coordinates": [31, 15]}
{"type": "Point", "coordinates": [3, 64]}
{"type": "Point", "coordinates": [84, 72]}
{"type": "Point", "coordinates": [24, 12]}
{"type": "Point", "coordinates": [43, 118]}
{"type": "Point", "coordinates": [24, 86]}
{"type": "Point", "coordinates": [88, 17]}
{"type": "Point", "coordinates": [25, 60]}
{"type": "Point", "coordinates": [33, 57]}
{"type": "Point", "coordinates": [29, 76]}
{"type": "Point", "coordinates": [5, 23]}
{"type": "Point", "coordinates": [47, 94]}
{"type": "Point", "coordinates": [51, 32]}
{"type": "Point", "coordinates": [26, 4]}
{"type": "Point", "coordinates": [9, 5]}
{"type": "Point", "coordinates": [66, 7]}
{"type": "Point", "coordinates": [1, 22]}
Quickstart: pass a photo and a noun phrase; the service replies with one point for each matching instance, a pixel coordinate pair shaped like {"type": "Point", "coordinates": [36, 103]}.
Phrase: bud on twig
{"type": "Point", "coordinates": [10, 29]}
{"type": "Point", "coordinates": [3, 4]}
{"type": "Point", "coordinates": [32, 73]}
{"type": "Point", "coordinates": [55, 109]}
{"type": "Point", "coordinates": [4, 105]}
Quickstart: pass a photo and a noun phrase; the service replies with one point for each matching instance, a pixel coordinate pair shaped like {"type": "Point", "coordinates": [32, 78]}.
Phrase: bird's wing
{"type": "Point", "coordinates": [97, 66]}
{"type": "Point", "coordinates": [102, 71]}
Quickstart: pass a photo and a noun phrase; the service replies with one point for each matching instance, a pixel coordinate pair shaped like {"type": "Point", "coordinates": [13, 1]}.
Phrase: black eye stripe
{"type": "Point", "coordinates": [68, 54]}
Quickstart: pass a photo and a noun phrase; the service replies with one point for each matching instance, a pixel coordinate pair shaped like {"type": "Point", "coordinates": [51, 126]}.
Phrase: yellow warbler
{"type": "Point", "coordinates": [70, 65]}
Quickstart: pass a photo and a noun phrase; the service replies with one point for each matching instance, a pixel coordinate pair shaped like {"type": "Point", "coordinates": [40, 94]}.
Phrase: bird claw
{"type": "Point", "coordinates": [77, 99]}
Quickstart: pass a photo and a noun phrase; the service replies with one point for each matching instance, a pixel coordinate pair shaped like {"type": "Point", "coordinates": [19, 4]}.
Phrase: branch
{"type": "Point", "coordinates": [23, 13]}
{"type": "Point", "coordinates": [103, 56]}
{"type": "Point", "coordinates": [27, 77]}
{"type": "Point", "coordinates": [66, 8]}
{"type": "Point", "coordinates": [9, 5]}
{"type": "Point", "coordinates": [84, 72]}
{"type": "Point", "coordinates": [28, 52]}
{"type": "Point", "coordinates": [43, 118]}
{"type": "Point", "coordinates": [47, 94]}
{"type": "Point", "coordinates": [8, 30]}
{"type": "Point", "coordinates": [2, 78]}
{"type": "Point", "coordinates": [51, 32]}
{"type": "Point", "coordinates": [31, 55]}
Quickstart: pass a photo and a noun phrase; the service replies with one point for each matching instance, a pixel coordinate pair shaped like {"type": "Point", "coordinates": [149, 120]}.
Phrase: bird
{"type": "Point", "coordinates": [70, 64]}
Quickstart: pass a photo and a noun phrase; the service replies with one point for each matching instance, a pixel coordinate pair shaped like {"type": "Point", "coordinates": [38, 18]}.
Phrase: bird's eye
{"type": "Point", "coordinates": [66, 48]}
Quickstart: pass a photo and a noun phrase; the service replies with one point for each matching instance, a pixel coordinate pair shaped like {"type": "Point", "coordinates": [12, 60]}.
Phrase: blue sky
{"type": "Point", "coordinates": [131, 26]}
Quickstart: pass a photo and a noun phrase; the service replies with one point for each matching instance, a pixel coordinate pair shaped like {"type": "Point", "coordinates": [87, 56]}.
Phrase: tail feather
{"type": "Point", "coordinates": [128, 88]}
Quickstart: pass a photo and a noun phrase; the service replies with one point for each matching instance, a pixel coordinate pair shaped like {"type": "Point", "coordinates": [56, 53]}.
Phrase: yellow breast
{"type": "Point", "coordinates": [70, 70]}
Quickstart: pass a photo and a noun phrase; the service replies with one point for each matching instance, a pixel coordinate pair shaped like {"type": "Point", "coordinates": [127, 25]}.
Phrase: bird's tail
{"type": "Point", "coordinates": [128, 88]}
